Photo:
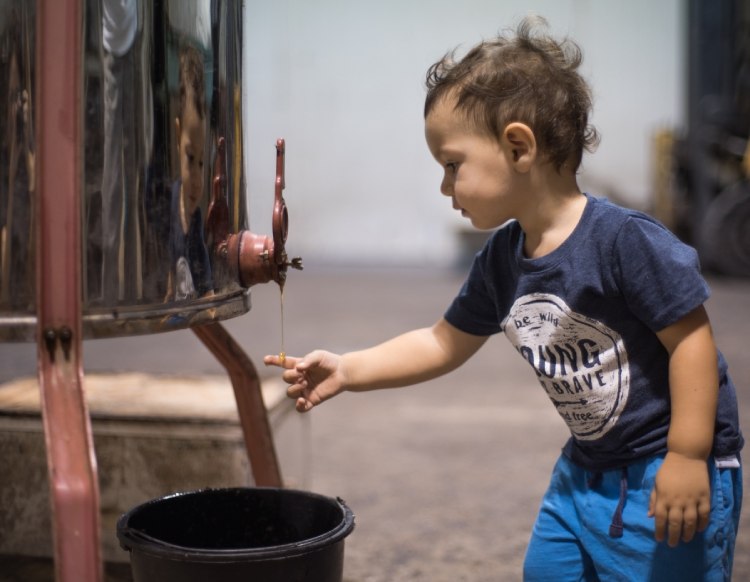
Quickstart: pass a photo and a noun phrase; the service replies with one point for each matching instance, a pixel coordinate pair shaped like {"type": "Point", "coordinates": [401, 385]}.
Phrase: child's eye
{"type": "Point", "coordinates": [452, 167]}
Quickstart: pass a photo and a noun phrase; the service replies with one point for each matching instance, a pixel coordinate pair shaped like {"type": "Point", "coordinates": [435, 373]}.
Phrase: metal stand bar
{"type": "Point", "coordinates": [74, 490]}
{"type": "Point", "coordinates": [253, 416]}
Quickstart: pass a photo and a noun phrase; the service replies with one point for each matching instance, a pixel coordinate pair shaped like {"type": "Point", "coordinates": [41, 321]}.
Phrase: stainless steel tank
{"type": "Point", "coordinates": [122, 211]}
{"type": "Point", "coordinates": [163, 203]}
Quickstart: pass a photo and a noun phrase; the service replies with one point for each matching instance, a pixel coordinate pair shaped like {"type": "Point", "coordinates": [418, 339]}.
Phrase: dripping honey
{"type": "Point", "coordinates": [282, 353]}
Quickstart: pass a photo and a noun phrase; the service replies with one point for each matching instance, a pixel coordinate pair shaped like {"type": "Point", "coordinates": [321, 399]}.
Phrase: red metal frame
{"type": "Point", "coordinates": [253, 417]}
{"type": "Point", "coordinates": [74, 488]}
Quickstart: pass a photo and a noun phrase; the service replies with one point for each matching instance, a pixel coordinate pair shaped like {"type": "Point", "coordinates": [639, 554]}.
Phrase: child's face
{"type": "Point", "coordinates": [479, 176]}
{"type": "Point", "coordinates": [190, 140]}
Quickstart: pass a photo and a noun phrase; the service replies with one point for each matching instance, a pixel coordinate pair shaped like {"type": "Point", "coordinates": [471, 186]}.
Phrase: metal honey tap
{"type": "Point", "coordinates": [251, 258]}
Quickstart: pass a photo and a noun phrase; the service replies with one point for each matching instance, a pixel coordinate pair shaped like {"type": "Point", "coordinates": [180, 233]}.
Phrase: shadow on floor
{"type": "Point", "coordinates": [26, 569]}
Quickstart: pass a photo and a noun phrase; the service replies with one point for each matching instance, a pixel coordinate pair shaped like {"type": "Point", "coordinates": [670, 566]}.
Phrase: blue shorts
{"type": "Point", "coordinates": [580, 534]}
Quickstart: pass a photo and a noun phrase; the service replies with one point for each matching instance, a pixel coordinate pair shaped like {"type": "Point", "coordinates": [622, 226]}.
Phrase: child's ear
{"type": "Point", "coordinates": [520, 143]}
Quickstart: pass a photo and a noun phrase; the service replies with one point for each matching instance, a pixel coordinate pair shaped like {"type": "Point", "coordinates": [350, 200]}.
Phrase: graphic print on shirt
{"type": "Point", "coordinates": [581, 363]}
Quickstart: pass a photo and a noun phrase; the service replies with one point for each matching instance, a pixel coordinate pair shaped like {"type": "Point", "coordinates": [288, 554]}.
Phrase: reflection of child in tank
{"type": "Point", "coordinates": [16, 215]}
{"type": "Point", "coordinates": [190, 271]}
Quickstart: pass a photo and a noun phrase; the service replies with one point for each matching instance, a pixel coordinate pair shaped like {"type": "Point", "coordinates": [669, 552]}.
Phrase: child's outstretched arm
{"type": "Point", "coordinates": [681, 498]}
{"type": "Point", "coordinates": [408, 359]}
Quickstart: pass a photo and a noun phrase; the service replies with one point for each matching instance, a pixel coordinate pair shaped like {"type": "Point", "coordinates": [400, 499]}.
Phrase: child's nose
{"type": "Point", "coordinates": [446, 187]}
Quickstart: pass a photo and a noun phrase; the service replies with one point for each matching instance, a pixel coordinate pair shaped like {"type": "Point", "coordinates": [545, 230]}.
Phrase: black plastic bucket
{"type": "Point", "coordinates": [238, 534]}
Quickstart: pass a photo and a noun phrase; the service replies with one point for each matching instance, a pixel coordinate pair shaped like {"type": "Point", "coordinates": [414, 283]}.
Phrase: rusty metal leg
{"type": "Point", "coordinates": [253, 416]}
{"type": "Point", "coordinates": [72, 464]}
{"type": "Point", "coordinates": [70, 453]}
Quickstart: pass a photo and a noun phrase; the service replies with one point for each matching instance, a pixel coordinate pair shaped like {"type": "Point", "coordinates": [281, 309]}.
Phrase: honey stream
{"type": "Point", "coordinates": [282, 353]}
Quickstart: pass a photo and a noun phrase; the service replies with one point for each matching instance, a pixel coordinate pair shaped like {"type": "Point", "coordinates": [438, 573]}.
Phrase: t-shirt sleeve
{"type": "Point", "coordinates": [658, 274]}
{"type": "Point", "coordinates": [473, 310]}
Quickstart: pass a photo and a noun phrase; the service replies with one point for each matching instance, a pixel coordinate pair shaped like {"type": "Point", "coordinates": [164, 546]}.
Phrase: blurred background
{"type": "Point", "coordinates": [343, 82]}
{"type": "Point", "coordinates": [445, 478]}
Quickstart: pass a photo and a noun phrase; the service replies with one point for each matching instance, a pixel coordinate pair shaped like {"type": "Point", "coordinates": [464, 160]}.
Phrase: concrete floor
{"type": "Point", "coordinates": [444, 478]}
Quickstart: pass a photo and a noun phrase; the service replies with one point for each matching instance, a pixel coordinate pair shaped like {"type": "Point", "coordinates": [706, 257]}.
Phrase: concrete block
{"type": "Point", "coordinates": [153, 435]}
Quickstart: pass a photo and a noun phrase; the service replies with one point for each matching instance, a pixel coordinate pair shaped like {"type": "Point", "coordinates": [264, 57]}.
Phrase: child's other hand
{"type": "Point", "coordinates": [312, 379]}
{"type": "Point", "coordinates": [681, 499]}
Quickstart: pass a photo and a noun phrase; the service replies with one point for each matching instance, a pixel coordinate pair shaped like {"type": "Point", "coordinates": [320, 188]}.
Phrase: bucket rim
{"type": "Point", "coordinates": [132, 539]}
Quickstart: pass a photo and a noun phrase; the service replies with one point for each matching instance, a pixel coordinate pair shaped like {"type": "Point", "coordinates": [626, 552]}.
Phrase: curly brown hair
{"type": "Point", "coordinates": [528, 77]}
{"type": "Point", "coordinates": [191, 79]}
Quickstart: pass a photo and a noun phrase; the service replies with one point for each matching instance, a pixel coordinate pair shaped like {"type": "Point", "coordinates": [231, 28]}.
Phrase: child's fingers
{"type": "Point", "coordinates": [306, 398]}
{"type": "Point", "coordinates": [296, 388]}
{"type": "Point", "coordinates": [668, 524]}
{"type": "Point", "coordinates": [287, 362]}
{"type": "Point", "coordinates": [303, 405]}
{"type": "Point", "coordinates": [303, 377]}
{"type": "Point", "coordinates": [272, 361]}
{"type": "Point", "coordinates": [660, 512]}
{"type": "Point", "coordinates": [675, 522]}
{"type": "Point", "coordinates": [689, 523]}
{"type": "Point", "coordinates": [311, 360]}
{"type": "Point", "coordinates": [660, 524]}
{"type": "Point", "coordinates": [704, 512]}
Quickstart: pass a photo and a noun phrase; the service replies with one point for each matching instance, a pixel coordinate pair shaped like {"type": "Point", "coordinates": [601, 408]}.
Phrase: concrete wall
{"type": "Point", "coordinates": [342, 81]}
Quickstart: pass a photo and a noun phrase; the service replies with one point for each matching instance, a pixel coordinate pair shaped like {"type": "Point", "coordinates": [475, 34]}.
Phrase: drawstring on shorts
{"type": "Point", "coordinates": [616, 527]}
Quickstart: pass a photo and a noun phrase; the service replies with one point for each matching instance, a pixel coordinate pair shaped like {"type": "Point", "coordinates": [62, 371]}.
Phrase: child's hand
{"type": "Point", "coordinates": [681, 498]}
{"type": "Point", "coordinates": [313, 379]}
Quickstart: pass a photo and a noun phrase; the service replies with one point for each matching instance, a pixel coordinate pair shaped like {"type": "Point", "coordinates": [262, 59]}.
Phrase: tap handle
{"type": "Point", "coordinates": [280, 212]}
{"type": "Point", "coordinates": [253, 258]}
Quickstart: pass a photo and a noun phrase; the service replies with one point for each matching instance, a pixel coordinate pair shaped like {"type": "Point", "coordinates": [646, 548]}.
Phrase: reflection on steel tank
{"type": "Point", "coordinates": [163, 138]}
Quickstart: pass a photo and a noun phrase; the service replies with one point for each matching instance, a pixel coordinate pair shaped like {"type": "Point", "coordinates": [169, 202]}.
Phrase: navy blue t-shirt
{"type": "Point", "coordinates": [585, 316]}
